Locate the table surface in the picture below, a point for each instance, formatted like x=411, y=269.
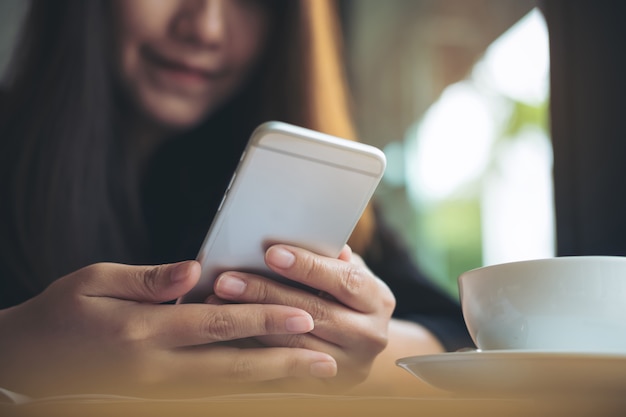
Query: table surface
x=303, y=405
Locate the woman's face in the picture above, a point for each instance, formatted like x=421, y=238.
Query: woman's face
x=181, y=59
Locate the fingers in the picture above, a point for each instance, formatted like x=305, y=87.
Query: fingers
x=183, y=325
x=107, y=320
x=345, y=254
x=153, y=284
x=354, y=317
x=216, y=369
x=253, y=365
x=349, y=282
x=334, y=322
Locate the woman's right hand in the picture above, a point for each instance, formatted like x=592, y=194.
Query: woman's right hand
x=104, y=329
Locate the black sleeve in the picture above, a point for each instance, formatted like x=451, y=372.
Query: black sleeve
x=417, y=298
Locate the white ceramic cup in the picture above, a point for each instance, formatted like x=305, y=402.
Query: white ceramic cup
x=566, y=304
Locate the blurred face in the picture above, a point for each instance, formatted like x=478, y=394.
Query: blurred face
x=181, y=59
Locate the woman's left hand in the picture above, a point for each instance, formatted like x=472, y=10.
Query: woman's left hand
x=351, y=310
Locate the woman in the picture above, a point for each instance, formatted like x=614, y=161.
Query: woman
x=120, y=127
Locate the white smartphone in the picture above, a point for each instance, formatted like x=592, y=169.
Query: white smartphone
x=294, y=186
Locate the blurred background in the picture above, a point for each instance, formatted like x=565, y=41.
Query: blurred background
x=456, y=94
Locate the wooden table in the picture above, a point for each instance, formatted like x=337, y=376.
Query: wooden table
x=303, y=405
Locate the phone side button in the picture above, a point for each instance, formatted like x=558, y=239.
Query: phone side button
x=221, y=203
x=231, y=181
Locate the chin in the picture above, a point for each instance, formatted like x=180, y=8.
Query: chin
x=178, y=118
x=179, y=123
x=177, y=111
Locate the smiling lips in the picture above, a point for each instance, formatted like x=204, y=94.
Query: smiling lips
x=181, y=71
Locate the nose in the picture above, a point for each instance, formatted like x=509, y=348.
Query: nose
x=202, y=22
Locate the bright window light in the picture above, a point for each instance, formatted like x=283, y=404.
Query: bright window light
x=463, y=147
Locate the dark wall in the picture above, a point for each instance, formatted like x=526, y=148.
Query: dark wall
x=588, y=89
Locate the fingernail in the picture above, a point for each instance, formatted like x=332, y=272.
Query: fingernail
x=214, y=300
x=180, y=272
x=281, y=257
x=325, y=369
x=299, y=324
x=230, y=285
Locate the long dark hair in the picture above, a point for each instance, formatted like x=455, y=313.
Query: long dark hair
x=57, y=154
x=69, y=190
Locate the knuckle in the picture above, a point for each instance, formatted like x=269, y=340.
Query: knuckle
x=356, y=372
x=88, y=275
x=218, y=326
x=378, y=341
x=374, y=339
x=387, y=299
x=94, y=269
x=292, y=365
x=314, y=269
x=316, y=308
x=242, y=369
x=389, y=302
x=262, y=293
x=361, y=374
x=77, y=287
x=294, y=341
x=269, y=323
x=133, y=332
x=149, y=278
x=378, y=338
x=352, y=279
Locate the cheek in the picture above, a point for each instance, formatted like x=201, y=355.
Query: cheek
x=138, y=22
x=249, y=37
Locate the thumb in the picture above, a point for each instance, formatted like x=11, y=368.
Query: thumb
x=153, y=284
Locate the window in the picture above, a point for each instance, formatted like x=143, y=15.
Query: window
x=469, y=181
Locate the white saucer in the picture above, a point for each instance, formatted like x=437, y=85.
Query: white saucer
x=521, y=373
